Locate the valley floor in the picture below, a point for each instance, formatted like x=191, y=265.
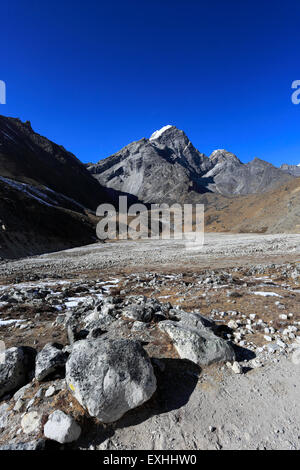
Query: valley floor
x=248, y=284
x=219, y=250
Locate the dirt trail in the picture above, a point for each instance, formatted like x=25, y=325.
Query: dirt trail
x=257, y=410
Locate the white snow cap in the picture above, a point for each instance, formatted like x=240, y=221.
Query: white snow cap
x=298, y=164
x=158, y=133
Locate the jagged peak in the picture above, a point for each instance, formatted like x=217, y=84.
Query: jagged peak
x=159, y=132
x=223, y=155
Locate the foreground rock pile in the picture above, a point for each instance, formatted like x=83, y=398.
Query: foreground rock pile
x=104, y=367
x=84, y=354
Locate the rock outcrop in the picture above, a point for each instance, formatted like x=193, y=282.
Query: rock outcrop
x=168, y=168
x=110, y=377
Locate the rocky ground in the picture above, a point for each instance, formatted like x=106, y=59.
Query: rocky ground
x=182, y=355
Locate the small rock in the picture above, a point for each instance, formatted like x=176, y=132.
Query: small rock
x=50, y=359
x=237, y=368
x=31, y=422
x=61, y=428
x=19, y=404
x=50, y=391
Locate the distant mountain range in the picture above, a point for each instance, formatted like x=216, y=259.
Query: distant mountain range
x=168, y=168
x=293, y=170
x=48, y=197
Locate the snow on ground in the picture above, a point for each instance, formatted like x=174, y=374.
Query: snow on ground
x=267, y=294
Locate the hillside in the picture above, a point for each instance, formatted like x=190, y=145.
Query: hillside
x=168, y=168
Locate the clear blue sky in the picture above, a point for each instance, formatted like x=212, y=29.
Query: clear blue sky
x=94, y=75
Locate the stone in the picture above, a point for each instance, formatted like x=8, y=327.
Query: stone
x=21, y=392
x=61, y=428
x=50, y=359
x=19, y=404
x=137, y=313
x=110, y=377
x=50, y=391
x=237, y=368
x=283, y=316
x=200, y=346
x=139, y=326
x=233, y=324
x=15, y=369
x=31, y=422
x=4, y=414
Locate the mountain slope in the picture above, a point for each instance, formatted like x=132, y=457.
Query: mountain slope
x=32, y=221
x=278, y=211
x=30, y=158
x=168, y=168
x=46, y=194
x=293, y=170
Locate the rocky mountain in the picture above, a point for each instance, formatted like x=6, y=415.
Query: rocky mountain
x=46, y=194
x=30, y=158
x=293, y=170
x=167, y=167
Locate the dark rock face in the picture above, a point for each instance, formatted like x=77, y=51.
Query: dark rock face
x=30, y=158
x=46, y=194
x=168, y=168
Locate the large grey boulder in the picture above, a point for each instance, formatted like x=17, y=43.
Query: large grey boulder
x=14, y=369
x=50, y=359
x=200, y=346
x=62, y=428
x=192, y=320
x=138, y=313
x=110, y=377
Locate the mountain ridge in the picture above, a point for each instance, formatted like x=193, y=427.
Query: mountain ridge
x=148, y=168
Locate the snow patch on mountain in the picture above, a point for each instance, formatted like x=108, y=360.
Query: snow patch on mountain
x=158, y=133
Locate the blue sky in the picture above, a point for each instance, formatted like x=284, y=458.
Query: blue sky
x=94, y=76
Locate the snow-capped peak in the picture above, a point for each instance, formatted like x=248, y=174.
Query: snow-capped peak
x=158, y=133
x=298, y=164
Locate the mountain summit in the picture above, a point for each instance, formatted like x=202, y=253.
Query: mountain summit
x=168, y=168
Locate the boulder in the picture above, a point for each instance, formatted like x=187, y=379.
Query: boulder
x=138, y=313
x=50, y=359
x=200, y=346
x=61, y=428
x=15, y=368
x=109, y=377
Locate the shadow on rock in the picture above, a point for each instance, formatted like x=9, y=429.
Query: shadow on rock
x=176, y=381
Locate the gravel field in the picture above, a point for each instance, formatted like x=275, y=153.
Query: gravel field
x=218, y=250
x=247, y=286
